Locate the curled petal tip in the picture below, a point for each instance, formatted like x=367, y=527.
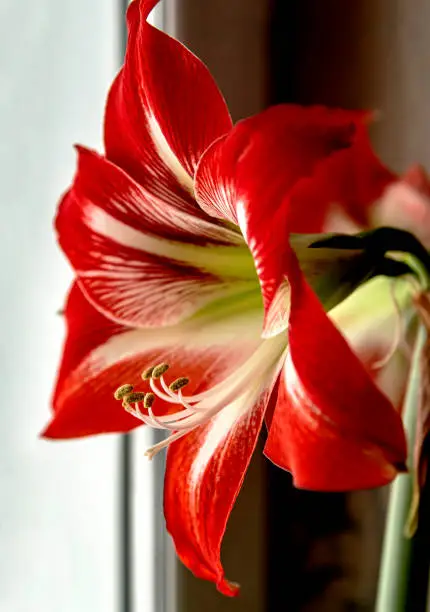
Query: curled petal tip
x=231, y=589
x=48, y=432
x=43, y=435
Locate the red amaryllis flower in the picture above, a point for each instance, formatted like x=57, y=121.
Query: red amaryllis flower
x=181, y=240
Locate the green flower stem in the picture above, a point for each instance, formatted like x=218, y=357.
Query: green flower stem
x=396, y=562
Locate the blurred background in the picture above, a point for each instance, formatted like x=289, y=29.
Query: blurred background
x=81, y=526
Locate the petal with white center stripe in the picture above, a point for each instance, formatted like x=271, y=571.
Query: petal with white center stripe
x=100, y=355
x=157, y=128
x=138, y=262
x=204, y=473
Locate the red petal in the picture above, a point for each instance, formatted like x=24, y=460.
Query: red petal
x=322, y=457
x=83, y=398
x=204, y=474
x=119, y=239
x=105, y=184
x=100, y=355
x=277, y=172
x=348, y=182
x=332, y=428
x=184, y=108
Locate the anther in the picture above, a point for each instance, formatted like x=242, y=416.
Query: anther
x=159, y=370
x=146, y=374
x=149, y=400
x=122, y=391
x=136, y=396
x=179, y=383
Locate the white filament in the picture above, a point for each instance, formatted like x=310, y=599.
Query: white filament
x=197, y=409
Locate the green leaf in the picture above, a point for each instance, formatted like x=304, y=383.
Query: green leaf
x=377, y=243
x=336, y=265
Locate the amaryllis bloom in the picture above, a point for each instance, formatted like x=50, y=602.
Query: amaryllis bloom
x=195, y=247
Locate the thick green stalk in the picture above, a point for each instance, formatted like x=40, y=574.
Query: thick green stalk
x=394, y=575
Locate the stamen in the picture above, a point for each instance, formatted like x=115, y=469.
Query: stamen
x=171, y=398
x=122, y=391
x=146, y=374
x=192, y=403
x=192, y=424
x=168, y=390
x=159, y=370
x=153, y=450
x=133, y=398
x=184, y=402
x=148, y=420
x=149, y=400
x=179, y=383
x=196, y=409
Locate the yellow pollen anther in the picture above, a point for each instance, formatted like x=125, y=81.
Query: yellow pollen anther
x=149, y=400
x=146, y=374
x=179, y=383
x=159, y=370
x=122, y=391
x=136, y=396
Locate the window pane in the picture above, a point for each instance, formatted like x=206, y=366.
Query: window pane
x=58, y=531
